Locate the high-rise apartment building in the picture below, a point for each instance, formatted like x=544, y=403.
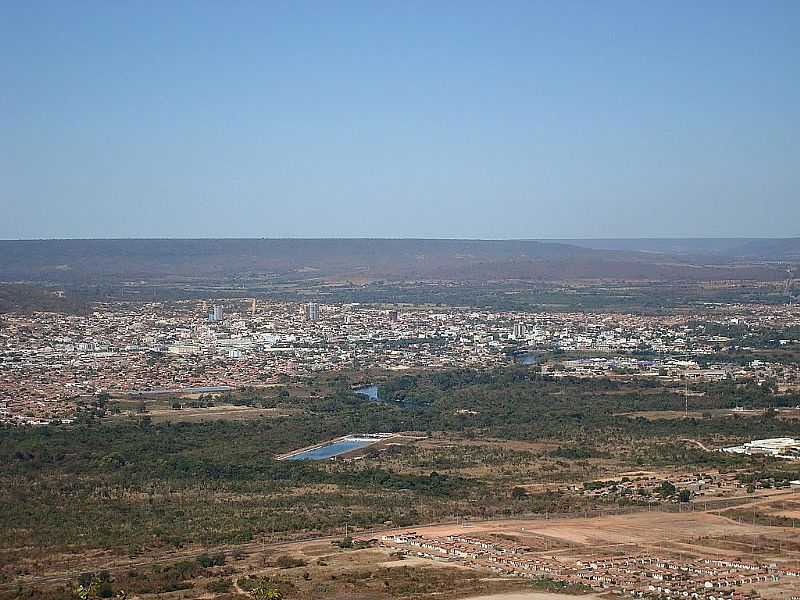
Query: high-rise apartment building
x=216, y=314
x=312, y=311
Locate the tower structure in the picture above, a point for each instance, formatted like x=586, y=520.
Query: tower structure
x=312, y=311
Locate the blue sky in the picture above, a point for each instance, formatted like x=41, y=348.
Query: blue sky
x=399, y=119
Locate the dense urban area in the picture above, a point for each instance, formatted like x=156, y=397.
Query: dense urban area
x=50, y=361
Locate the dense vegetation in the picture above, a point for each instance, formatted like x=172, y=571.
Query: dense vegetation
x=132, y=484
x=26, y=298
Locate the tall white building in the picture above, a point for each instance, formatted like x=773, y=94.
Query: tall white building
x=216, y=314
x=312, y=311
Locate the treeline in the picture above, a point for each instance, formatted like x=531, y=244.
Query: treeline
x=131, y=454
x=743, y=335
x=128, y=486
x=518, y=402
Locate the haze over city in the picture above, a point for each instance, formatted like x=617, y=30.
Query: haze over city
x=416, y=119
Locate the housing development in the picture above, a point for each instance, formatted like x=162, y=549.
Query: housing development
x=642, y=575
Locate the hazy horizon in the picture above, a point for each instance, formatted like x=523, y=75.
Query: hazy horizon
x=416, y=121
x=410, y=238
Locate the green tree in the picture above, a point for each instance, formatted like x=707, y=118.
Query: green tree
x=96, y=587
x=518, y=493
x=264, y=590
x=666, y=489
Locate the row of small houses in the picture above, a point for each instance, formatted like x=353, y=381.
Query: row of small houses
x=501, y=548
x=704, y=567
x=627, y=564
x=732, y=564
x=447, y=548
x=689, y=588
x=538, y=566
x=686, y=580
x=630, y=580
x=707, y=567
x=454, y=541
x=654, y=591
x=712, y=588
x=635, y=575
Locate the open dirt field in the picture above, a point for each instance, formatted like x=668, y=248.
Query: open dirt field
x=645, y=527
x=217, y=413
x=787, y=508
x=697, y=534
x=789, y=514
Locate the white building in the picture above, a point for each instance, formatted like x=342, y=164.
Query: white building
x=312, y=311
x=783, y=447
x=216, y=314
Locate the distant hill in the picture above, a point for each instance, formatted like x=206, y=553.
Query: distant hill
x=767, y=249
x=95, y=261
x=786, y=249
